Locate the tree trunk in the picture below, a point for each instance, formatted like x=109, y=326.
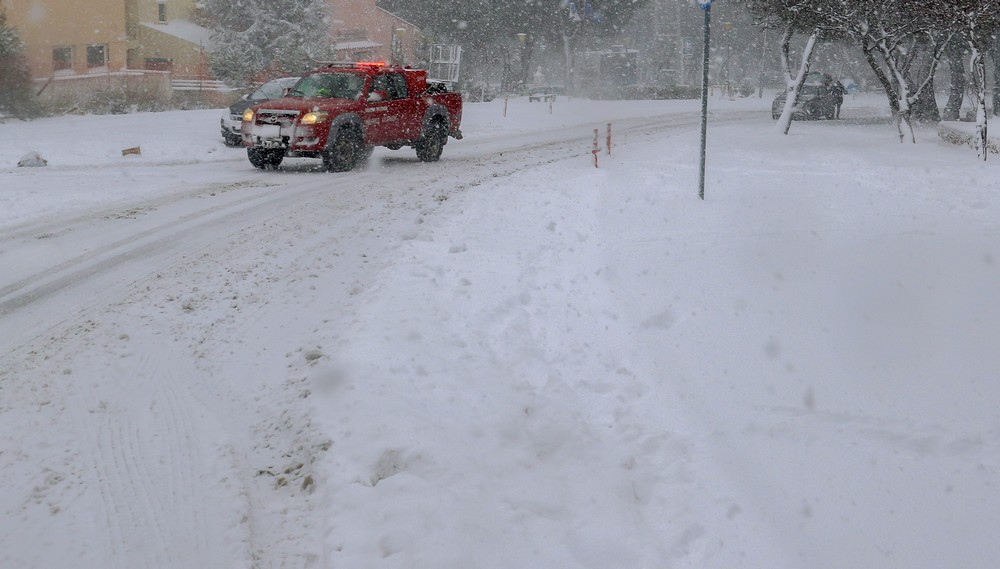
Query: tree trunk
x=568, y=78
x=793, y=85
x=902, y=96
x=903, y=115
x=925, y=107
x=527, y=50
x=895, y=90
x=978, y=65
x=505, y=78
x=890, y=90
x=996, y=75
x=956, y=91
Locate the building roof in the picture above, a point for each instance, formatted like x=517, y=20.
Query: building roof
x=398, y=18
x=363, y=44
x=185, y=30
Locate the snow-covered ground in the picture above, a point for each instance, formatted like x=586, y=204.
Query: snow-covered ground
x=509, y=358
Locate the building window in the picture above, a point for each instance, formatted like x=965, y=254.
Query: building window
x=161, y=12
x=96, y=56
x=62, y=58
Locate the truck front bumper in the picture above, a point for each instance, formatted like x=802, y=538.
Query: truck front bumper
x=290, y=138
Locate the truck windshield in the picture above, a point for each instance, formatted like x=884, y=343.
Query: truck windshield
x=329, y=86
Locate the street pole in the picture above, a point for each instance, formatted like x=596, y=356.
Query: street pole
x=763, y=55
x=706, y=6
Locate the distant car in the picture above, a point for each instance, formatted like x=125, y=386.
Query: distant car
x=540, y=94
x=232, y=119
x=818, y=98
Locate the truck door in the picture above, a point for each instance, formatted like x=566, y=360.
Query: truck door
x=408, y=116
x=393, y=117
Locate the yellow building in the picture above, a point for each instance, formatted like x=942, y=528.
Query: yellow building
x=156, y=47
x=62, y=37
x=165, y=36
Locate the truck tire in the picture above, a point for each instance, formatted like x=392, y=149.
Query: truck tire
x=343, y=151
x=430, y=146
x=263, y=158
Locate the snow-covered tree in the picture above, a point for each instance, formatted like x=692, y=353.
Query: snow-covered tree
x=268, y=37
x=494, y=27
x=979, y=21
x=902, y=41
x=15, y=76
x=893, y=34
x=806, y=17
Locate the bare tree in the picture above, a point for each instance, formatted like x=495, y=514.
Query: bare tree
x=497, y=29
x=15, y=76
x=893, y=34
x=903, y=42
x=794, y=17
x=978, y=23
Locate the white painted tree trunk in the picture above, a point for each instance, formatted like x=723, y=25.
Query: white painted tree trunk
x=978, y=65
x=906, y=98
x=793, y=84
x=902, y=118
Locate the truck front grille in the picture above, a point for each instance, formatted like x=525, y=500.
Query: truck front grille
x=280, y=118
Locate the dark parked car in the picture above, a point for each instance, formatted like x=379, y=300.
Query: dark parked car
x=818, y=98
x=231, y=119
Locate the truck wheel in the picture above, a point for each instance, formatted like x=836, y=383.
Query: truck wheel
x=429, y=149
x=263, y=159
x=342, y=152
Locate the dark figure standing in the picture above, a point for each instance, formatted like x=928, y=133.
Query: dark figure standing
x=838, y=97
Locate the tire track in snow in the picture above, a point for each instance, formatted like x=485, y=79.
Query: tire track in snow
x=153, y=455
x=141, y=244
x=61, y=224
x=149, y=242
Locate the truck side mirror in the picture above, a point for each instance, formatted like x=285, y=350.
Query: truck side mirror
x=376, y=96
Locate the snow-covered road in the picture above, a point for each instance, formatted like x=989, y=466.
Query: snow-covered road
x=185, y=208
x=507, y=358
x=126, y=306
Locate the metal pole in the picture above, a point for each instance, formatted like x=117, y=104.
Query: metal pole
x=763, y=55
x=704, y=98
x=595, y=148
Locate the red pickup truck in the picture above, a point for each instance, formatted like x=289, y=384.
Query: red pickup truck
x=341, y=111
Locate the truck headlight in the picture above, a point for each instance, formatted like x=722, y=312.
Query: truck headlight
x=313, y=117
x=248, y=115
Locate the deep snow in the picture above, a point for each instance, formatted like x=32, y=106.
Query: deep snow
x=506, y=359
